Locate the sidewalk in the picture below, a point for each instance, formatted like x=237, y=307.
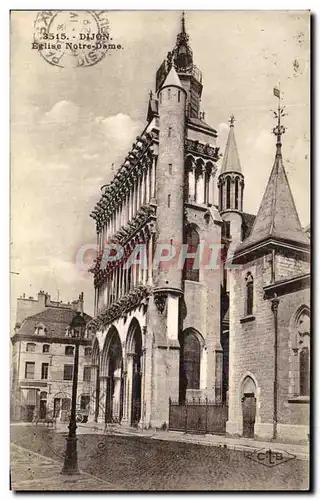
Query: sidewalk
x=33, y=472
x=233, y=443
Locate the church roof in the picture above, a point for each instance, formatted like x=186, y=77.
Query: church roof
x=231, y=160
x=172, y=79
x=277, y=216
x=201, y=123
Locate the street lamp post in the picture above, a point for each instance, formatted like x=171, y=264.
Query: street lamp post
x=77, y=329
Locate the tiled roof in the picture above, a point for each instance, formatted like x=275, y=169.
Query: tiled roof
x=247, y=224
x=54, y=319
x=201, y=123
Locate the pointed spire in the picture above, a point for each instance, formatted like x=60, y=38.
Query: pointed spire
x=183, y=27
x=172, y=79
x=277, y=216
x=231, y=160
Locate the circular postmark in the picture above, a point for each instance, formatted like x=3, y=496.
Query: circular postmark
x=72, y=38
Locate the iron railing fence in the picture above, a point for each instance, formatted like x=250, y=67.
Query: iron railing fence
x=198, y=416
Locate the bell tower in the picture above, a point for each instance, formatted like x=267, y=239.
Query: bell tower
x=231, y=187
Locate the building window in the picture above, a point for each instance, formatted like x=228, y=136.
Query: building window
x=169, y=93
x=31, y=347
x=226, y=233
x=228, y=192
x=87, y=351
x=169, y=131
x=304, y=371
x=30, y=369
x=169, y=199
x=170, y=168
x=84, y=402
x=299, y=358
x=179, y=95
x=191, y=360
x=46, y=348
x=249, y=294
x=192, y=241
x=87, y=373
x=67, y=372
x=69, y=350
x=236, y=194
x=66, y=404
x=44, y=371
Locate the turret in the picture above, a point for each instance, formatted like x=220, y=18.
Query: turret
x=170, y=173
x=231, y=186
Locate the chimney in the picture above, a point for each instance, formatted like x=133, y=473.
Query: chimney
x=42, y=299
x=81, y=303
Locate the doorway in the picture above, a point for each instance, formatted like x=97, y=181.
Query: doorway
x=248, y=414
x=248, y=402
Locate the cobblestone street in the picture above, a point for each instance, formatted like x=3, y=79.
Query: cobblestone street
x=138, y=463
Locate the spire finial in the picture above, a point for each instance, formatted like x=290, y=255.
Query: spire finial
x=232, y=120
x=183, y=27
x=279, y=129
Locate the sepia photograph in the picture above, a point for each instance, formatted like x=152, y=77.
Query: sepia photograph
x=160, y=240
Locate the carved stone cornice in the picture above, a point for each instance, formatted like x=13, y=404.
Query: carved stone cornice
x=203, y=150
x=138, y=297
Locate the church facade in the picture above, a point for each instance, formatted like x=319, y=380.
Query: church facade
x=167, y=305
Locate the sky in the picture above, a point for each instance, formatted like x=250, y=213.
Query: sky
x=69, y=125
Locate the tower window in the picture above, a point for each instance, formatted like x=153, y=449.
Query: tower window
x=169, y=199
x=169, y=131
x=169, y=93
x=249, y=294
x=236, y=194
x=192, y=240
x=170, y=168
x=228, y=192
x=179, y=95
x=226, y=229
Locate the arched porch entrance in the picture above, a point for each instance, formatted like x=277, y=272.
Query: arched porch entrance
x=134, y=350
x=114, y=387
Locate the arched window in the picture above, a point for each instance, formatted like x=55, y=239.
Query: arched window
x=236, y=193
x=191, y=266
x=220, y=196
x=304, y=372
x=191, y=360
x=228, y=192
x=249, y=294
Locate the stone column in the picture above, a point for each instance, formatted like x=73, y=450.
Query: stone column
x=102, y=400
x=191, y=184
x=129, y=382
x=142, y=423
x=200, y=187
x=211, y=189
x=153, y=188
x=148, y=185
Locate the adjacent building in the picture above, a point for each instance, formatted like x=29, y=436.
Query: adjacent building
x=43, y=357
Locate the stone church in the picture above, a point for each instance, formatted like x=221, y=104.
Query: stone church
x=175, y=316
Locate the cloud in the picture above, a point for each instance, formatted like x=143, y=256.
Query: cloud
x=63, y=112
x=120, y=130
